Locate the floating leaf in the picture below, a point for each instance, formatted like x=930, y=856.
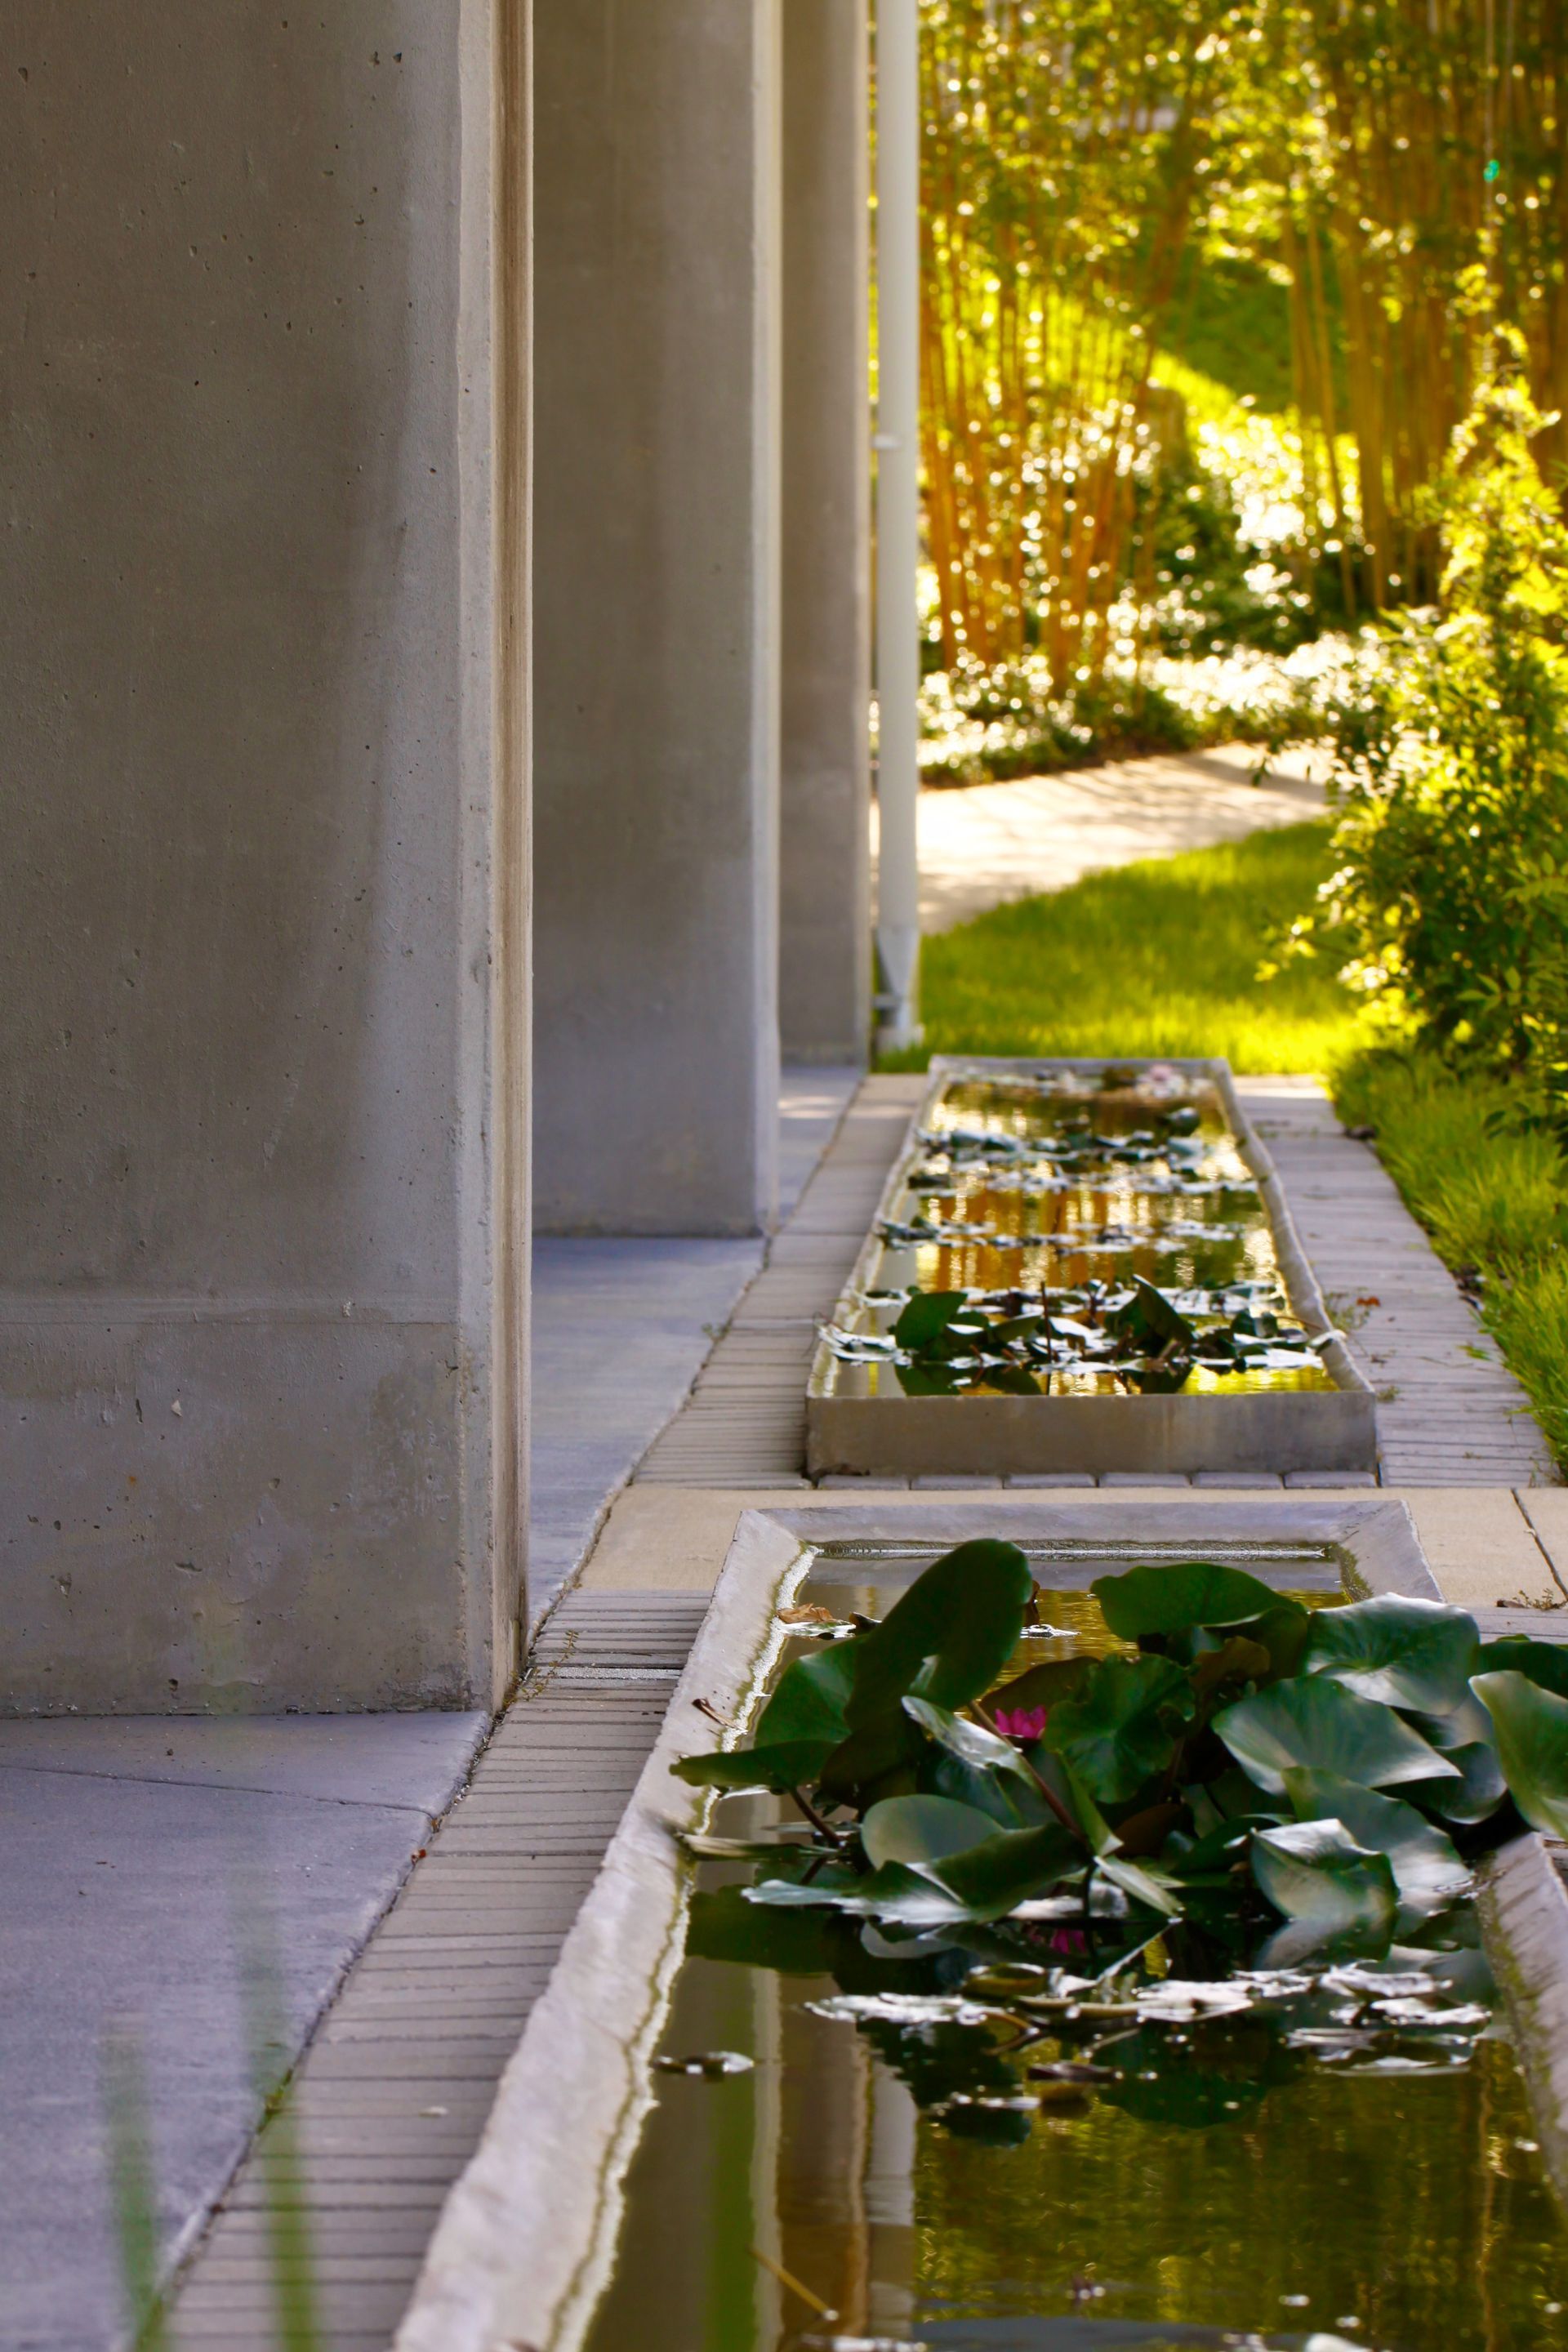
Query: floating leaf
x=1316, y=1874
x=1042, y=1685
x=927, y=1316
x=1545, y=1663
x=1427, y=1870
x=810, y=1698
x=1149, y=1600
x=919, y=1829
x=963, y=1615
x=1145, y=1887
x=1116, y=1734
x=788, y=1764
x=1317, y=1723
x=1401, y=1651
x=1149, y=1321
x=1531, y=1729
x=993, y=1878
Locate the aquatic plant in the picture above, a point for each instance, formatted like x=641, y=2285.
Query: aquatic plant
x=1282, y=1781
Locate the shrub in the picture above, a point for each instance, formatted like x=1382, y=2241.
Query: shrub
x=1451, y=847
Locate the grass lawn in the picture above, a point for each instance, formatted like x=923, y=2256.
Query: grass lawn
x=1157, y=957
x=1163, y=957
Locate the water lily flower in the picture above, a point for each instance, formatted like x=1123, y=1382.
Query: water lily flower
x=1024, y=1724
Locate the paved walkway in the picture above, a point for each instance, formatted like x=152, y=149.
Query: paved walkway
x=982, y=845
x=146, y=1861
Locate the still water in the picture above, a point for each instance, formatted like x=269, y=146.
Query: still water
x=1058, y=1191
x=885, y=2169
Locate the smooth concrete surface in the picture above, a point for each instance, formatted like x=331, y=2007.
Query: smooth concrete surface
x=1478, y=1543
x=984, y=845
x=620, y=1330
x=192, y=1904
x=258, y=1223
x=656, y=839
x=825, y=865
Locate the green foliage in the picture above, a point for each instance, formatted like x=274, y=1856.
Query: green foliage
x=1233, y=1770
x=1451, y=887
x=1155, y=958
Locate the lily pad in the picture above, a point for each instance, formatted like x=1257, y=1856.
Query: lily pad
x=1317, y=1723
x=919, y=1829
x=1316, y=1874
x=962, y=1619
x=1118, y=1730
x=1545, y=1663
x=1152, y=1601
x=1532, y=1728
x=991, y=1879
x=1405, y=1653
x=1427, y=1870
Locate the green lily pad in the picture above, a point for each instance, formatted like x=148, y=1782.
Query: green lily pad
x=1545, y=1663
x=1042, y=1685
x=1317, y=1723
x=1316, y=1874
x=1149, y=1321
x=919, y=1829
x=993, y=1878
x=960, y=1621
x=1427, y=1871
x=1116, y=1734
x=1404, y=1652
x=1531, y=1725
x=1150, y=1601
x=927, y=1316
x=785, y=1765
x=810, y=1698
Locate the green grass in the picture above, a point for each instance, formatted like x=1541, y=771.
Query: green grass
x=1163, y=957
x=1157, y=957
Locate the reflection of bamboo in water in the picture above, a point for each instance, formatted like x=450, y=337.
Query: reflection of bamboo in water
x=817, y=2163
x=766, y=2125
x=891, y=2142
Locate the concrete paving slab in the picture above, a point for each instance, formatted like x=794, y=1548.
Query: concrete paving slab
x=139, y=1901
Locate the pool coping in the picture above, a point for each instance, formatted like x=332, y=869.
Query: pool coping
x=1523, y=1902
x=527, y=2237
x=886, y=1436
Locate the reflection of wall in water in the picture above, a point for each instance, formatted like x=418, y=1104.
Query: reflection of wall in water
x=889, y=2201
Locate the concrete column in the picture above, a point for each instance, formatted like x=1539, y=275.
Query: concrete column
x=825, y=948
x=263, y=970
x=657, y=620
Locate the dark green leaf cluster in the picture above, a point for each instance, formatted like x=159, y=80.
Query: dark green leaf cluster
x=1322, y=1779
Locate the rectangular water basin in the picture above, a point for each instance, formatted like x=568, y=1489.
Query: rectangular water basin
x=1122, y=1287
x=692, y=2150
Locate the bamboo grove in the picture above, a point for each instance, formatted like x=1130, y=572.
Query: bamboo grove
x=1396, y=166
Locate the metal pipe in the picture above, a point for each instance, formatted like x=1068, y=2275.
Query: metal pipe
x=897, y=443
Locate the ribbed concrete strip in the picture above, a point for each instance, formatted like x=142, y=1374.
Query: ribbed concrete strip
x=388, y=2104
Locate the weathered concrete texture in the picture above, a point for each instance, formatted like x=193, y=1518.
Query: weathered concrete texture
x=657, y=656
x=150, y=1867
x=1524, y=1905
x=254, y=995
x=825, y=869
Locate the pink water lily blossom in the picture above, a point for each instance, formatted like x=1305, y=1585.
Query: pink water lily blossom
x=1024, y=1724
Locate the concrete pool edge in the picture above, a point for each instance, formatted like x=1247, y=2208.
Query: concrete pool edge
x=526, y=2237
x=890, y=1436
x=1523, y=1904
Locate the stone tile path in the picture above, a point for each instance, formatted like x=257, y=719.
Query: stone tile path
x=140, y=1860
x=1450, y=1413
x=391, y=2099
x=982, y=845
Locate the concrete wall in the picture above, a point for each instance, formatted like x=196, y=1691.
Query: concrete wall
x=260, y=991
x=825, y=974
x=655, y=639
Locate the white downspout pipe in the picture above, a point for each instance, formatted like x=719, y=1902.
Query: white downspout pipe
x=897, y=442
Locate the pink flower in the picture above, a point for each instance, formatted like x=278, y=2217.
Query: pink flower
x=1023, y=1723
